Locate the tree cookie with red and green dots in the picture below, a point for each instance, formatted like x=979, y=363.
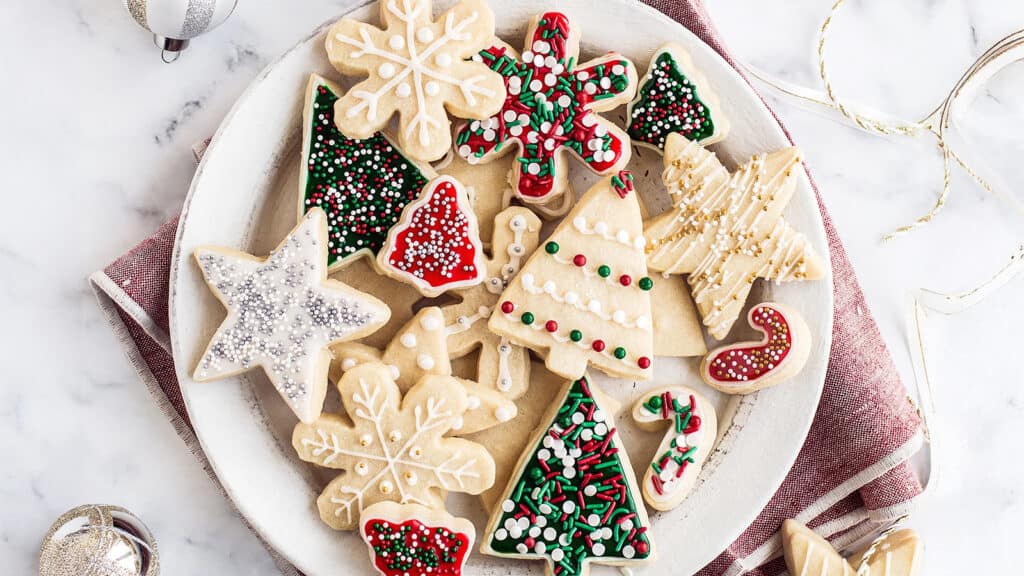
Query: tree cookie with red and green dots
x=781, y=353
x=573, y=499
x=584, y=297
x=674, y=97
x=362, y=185
x=550, y=109
x=436, y=246
x=413, y=540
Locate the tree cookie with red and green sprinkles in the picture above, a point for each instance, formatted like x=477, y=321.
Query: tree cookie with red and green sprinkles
x=573, y=499
x=362, y=185
x=551, y=108
x=674, y=97
x=414, y=540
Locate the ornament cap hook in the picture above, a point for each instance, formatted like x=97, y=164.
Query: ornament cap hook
x=170, y=48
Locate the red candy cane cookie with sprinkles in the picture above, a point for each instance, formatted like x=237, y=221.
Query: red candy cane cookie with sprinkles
x=550, y=109
x=692, y=427
x=413, y=540
x=748, y=366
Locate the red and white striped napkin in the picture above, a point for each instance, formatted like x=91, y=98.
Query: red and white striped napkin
x=852, y=476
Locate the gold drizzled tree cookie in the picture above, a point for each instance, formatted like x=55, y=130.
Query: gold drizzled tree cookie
x=502, y=365
x=283, y=314
x=897, y=554
x=420, y=348
x=726, y=230
x=390, y=448
x=416, y=67
x=584, y=298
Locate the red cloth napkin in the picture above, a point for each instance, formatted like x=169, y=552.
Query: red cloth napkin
x=850, y=479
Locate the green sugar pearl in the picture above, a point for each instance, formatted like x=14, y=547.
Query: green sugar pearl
x=527, y=318
x=575, y=335
x=645, y=283
x=620, y=352
x=604, y=271
x=551, y=247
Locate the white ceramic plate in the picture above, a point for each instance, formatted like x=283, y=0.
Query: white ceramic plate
x=243, y=196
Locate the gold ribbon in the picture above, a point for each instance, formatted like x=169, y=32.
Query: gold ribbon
x=1004, y=52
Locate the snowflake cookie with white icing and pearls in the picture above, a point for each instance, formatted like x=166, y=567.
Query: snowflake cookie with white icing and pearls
x=420, y=348
x=283, y=314
x=390, y=448
x=691, y=430
x=417, y=67
x=551, y=108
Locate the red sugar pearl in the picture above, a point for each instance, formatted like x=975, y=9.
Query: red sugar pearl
x=641, y=548
x=598, y=345
x=551, y=326
x=644, y=362
x=625, y=280
x=507, y=307
x=579, y=260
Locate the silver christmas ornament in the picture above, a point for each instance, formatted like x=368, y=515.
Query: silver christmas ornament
x=97, y=540
x=175, y=22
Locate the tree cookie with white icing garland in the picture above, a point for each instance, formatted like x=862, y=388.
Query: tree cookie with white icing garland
x=392, y=448
x=674, y=98
x=420, y=348
x=781, y=353
x=413, y=540
x=436, y=244
x=283, y=314
x=573, y=500
x=551, y=109
x=362, y=185
x=416, y=67
x=726, y=230
x=583, y=298
x=692, y=427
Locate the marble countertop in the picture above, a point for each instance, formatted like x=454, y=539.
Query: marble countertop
x=96, y=148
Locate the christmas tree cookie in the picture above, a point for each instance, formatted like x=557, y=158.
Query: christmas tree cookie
x=551, y=109
x=283, y=314
x=691, y=426
x=420, y=348
x=726, y=230
x=674, y=98
x=362, y=185
x=584, y=298
x=392, y=448
x=573, y=500
x=436, y=244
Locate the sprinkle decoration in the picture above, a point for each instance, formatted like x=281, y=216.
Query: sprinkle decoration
x=436, y=244
x=671, y=464
x=548, y=108
x=411, y=548
x=362, y=185
x=751, y=363
x=668, y=103
x=573, y=500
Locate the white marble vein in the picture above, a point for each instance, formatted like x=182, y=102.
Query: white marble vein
x=96, y=137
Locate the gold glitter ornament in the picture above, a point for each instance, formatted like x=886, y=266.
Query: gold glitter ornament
x=98, y=540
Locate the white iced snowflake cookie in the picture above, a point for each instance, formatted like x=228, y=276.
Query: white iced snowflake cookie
x=417, y=67
x=283, y=314
x=394, y=449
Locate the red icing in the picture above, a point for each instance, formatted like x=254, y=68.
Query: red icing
x=745, y=363
x=571, y=94
x=412, y=548
x=436, y=245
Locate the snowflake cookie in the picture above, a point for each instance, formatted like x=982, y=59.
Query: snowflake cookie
x=417, y=67
x=390, y=448
x=551, y=108
x=283, y=314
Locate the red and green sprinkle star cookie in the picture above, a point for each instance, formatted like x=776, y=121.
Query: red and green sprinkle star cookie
x=674, y=98
x=573, y=500
x=550, y=108
x=362, y=185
